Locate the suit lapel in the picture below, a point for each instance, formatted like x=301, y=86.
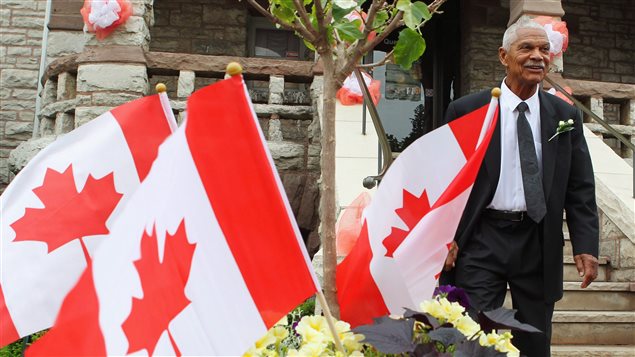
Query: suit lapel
x=548, y=126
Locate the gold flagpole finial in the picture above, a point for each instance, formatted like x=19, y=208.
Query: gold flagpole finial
x=234, y=68
x=496, y=92
x=161, y=88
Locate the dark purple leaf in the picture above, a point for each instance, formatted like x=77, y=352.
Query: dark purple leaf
x=389, y=335
x=422, y=317
x=474, y=349
x=447, y=336
x=502, y=318
x=425, y=350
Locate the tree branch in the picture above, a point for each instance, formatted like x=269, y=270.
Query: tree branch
x=304, y=17
x=289, y=26
x=386, y=59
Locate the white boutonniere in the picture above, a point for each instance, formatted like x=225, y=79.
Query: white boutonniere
x=563, y=127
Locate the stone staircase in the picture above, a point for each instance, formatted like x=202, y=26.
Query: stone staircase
x=596, y=321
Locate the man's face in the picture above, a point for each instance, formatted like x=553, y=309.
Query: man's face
x=527, y=60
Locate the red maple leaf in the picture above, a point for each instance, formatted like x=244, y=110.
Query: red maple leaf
x=163, y=284
x=68, y=214
x=414, y=208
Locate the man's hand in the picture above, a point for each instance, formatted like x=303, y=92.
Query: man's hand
x=587, y=267
x=451, y=258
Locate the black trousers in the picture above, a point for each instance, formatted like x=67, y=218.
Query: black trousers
x=503, y=252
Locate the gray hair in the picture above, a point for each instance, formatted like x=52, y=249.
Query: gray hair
x=511, y=34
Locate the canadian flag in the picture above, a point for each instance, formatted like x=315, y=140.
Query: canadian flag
x=412, y=219
x=62, y=205
x=206, y=255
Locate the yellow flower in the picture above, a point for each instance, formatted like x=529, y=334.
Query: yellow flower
x=279, y=333
x=317, y=323
x=432, y=307
x=310, y=335
x=351, y=341
x=467, y=326
x=452, y=310
x=489, y=339
x=504, y=344
x=312, y=350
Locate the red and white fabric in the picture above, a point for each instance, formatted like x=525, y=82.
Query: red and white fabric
x=412, y=219
x=351, y=92
x=213, y=215
x=62, y=205
x=103, y=16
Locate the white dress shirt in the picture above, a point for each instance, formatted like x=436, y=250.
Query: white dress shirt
x=509, y=195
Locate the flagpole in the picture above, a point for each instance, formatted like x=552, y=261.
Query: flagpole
x=330, y=321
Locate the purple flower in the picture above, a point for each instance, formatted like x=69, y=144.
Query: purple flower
x=453, y=294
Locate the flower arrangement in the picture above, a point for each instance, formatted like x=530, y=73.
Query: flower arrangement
x=563, y=127
x=309, y=336
x=442, y=328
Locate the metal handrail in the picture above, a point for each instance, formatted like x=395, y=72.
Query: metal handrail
x=370, y=181
x=601, y=121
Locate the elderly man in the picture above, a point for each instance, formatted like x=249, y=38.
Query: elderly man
x=511, y=230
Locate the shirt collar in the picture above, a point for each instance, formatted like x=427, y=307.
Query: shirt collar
x=509, y=100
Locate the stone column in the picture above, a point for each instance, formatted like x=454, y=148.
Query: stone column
x=113, y=71
x=533, y=8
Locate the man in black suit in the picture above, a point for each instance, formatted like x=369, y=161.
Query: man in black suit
x=511, y=230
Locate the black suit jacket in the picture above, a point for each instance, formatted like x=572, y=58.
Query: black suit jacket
x=568, y=182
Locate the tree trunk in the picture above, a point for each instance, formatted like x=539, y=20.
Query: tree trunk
x=327, y=199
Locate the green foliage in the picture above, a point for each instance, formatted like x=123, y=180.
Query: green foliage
x=16, y=348
x=414, y=13
x=349, y=30
x=410, y=46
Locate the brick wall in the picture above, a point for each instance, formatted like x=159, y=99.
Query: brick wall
x=602, y=40
x=213, y=27
x=21, y=23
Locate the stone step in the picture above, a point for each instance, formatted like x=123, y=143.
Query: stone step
x=599, y=296
x=592, y=351
x=571, y=272
x=593, y=328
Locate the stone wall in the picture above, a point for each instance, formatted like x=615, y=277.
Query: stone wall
x=21, y=23
x=483, y=24
x=601, y=41
x=213, y=27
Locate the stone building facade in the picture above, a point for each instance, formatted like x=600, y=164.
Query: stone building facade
x=185, y=44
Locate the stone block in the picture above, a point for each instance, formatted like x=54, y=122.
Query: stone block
x=293, y=186
x=66, y=86
x=18, y=78
x=12, y=39
x=112, y=99
x=85, y=114
x=186, y=84
x=307, y=216
x=49, y=93
x=6, y=115
x=24, y=94
x=64, y=122
x=19, y=51
x=313, y=161
x=276, y=89
x=21, y=155
x=5, y=93
x=27, y=115
x=274, y=132
x=627, y=254
x=287, y=155
x=112, y=77
x=4, y=171
x=5, y=17
x=61, y=43
x=620, y=55
x=32, y=63
x=294, y=130
x=20, y=4
x=18, y=105
x=47, y=126
x=18, y=130
x=27, y=21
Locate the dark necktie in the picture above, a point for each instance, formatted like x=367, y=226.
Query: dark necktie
x=532, y=182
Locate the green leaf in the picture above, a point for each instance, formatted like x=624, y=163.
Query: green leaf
x=345, y=4
x=339, y=13
x=309, y=45
x=380, y=18
x=349, y=31
x=413, y=13
x=284, y=13
x=409, y=47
